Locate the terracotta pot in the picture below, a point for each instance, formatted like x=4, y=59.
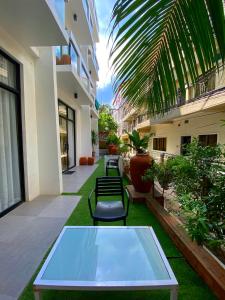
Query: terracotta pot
x=91, y=161
x=112, y=149
x=65, y=59
x=138, y=165
x=58, y=61
x=83, y=161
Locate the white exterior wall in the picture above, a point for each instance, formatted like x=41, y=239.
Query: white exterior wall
x=28, y=105
x=198, y=124
x=50, y=170
x=86, y=147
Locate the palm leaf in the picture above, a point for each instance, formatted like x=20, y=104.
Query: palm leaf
x=162, y=46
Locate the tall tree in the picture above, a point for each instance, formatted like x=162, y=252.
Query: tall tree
x=161, y=46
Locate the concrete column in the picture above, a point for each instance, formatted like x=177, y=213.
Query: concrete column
x=50, y=172
x=85, y=126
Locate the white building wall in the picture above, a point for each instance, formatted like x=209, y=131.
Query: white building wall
x=28, y=103
x=193, y=125
x=50, y=170
x=86, y=147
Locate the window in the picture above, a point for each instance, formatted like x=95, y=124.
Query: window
x=11, y=153
x=208, y=140
x=159, y=144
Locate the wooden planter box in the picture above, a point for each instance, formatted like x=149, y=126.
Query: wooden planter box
x=199, y=258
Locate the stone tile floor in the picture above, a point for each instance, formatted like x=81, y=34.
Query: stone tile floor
x=26, y=233
x=73, y=182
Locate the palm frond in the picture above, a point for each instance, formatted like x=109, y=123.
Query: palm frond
x=162, y=46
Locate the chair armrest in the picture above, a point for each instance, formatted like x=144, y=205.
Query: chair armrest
x=128, y=201
x=89, y=202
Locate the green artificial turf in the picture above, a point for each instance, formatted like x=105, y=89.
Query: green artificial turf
x=191, y=287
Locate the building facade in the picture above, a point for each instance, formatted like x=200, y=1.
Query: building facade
x=197, y=114
x=48, y=75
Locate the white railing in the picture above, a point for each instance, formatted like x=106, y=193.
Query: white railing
x=71, y=55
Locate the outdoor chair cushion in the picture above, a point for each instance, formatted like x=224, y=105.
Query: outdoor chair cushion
x=110, y=210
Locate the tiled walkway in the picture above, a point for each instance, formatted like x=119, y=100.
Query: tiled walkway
x=26, y=233
x=72, y=183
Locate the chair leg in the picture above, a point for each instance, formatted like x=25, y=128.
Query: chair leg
x=118, y=172
x=107, y=172
x=124, y=222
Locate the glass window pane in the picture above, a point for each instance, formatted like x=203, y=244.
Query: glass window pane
x=65, y=50
x=74, y=57
x=10, y=187
x=63, y=142
x=71, y=145
x=70, y=114
x=62, y=110
x=7, y=72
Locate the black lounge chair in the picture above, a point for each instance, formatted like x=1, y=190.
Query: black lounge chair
x=108, y=210
x=113, y=164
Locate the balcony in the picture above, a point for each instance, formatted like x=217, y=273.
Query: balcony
x=35, y=23
x=129, y=113
x=143, y=122
x=93, y=63
x=95, y=21
x=207, y=94
x=72, y=74
x=78, y=15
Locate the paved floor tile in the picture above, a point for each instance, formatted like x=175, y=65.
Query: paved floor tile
x=25, y=235
x=72, y=183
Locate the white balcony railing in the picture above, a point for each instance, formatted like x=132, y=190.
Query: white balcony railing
x=71, y=55
x=59, y=6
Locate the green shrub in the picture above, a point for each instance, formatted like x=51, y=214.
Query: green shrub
x=199, y=180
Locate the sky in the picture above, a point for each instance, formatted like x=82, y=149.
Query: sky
x=105, y=92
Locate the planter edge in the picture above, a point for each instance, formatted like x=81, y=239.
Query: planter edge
x=203, y=263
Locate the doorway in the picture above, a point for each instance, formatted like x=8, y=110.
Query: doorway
x=11, y=153
x=67, y=136
x=185, y=140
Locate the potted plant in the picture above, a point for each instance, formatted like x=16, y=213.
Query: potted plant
x=94, y=137
x=140, y=162
x=162, y=172
x=113, y=141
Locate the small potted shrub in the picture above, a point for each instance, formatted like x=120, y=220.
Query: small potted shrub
x=113, y=141
x=140, y=162
x=162, y=172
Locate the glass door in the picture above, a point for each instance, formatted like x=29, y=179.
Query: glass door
x=67, y=136
x=11, y=161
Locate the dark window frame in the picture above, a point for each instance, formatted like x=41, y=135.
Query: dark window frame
x=67, y=119
x=159, y=144
x=207, y=139
x=17, y=92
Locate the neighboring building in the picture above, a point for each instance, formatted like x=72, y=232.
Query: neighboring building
x=48, y=74
x=197, y=114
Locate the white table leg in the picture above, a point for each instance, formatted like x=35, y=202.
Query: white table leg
x=173, y=293
x=37, y=294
